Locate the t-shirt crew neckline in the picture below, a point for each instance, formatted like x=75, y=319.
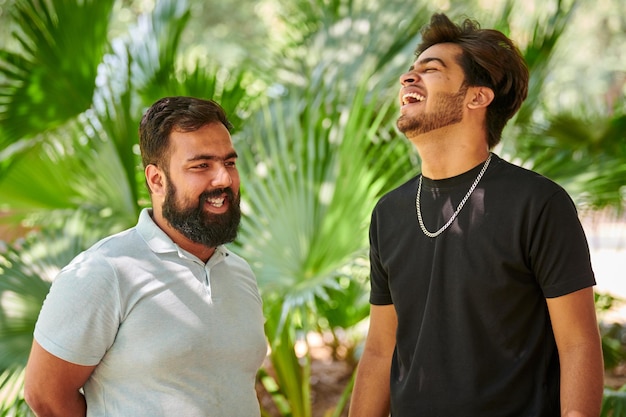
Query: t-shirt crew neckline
x=467, y=177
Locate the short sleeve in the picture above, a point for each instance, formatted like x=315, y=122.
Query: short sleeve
x=559, y=250
x=380, y=293
x=80, y=316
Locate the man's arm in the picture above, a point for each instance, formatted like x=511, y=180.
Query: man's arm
x=51, y=386
x=371, y=396
x=577, y=337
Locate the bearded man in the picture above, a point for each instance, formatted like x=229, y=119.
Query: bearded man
x=161, y=319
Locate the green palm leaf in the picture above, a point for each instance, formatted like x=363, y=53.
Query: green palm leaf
x=343, y=39
x=583, y=152
x=26, y=271
x=40, y=73
x=78, y=169
x=614, y=403
x=11, y=399
x=312, y=167
x=312, y=176
x=539, y=54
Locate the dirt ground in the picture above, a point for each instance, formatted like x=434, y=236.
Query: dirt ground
x=328, y=381
x=615, y=378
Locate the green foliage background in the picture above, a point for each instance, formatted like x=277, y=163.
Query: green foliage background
x=311, y=88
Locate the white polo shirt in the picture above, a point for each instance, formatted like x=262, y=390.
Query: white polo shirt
x=170, y=335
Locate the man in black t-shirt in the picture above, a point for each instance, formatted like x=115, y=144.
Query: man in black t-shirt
x=482, y=287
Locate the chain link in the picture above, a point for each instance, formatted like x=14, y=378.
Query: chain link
x=458, y=209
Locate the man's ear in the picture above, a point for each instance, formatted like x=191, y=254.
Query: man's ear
x=481, y=97
x=155, y=179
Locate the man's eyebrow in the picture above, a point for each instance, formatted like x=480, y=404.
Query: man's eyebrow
x=209, y=157
x=427, y=60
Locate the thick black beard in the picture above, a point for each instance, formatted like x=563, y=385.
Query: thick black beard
x=450, y=112
x=210, y=230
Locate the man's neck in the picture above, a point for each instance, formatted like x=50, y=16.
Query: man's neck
x=446, y=153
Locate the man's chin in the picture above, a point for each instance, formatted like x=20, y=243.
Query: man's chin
x=405, y=125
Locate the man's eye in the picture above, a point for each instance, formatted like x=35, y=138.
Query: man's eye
x=230, y=163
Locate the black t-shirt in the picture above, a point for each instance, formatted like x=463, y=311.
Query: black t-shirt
x=474, y=335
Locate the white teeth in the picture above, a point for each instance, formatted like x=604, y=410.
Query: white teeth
x=216, y=202
x=414, y=96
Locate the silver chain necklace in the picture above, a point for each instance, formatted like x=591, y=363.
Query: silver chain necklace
x=458, y=209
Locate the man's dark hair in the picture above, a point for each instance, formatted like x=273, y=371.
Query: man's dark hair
x=489, y=59
x=183, y=114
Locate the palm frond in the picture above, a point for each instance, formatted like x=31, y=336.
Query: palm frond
x=583, y=152
x=232, y=88
x=40, y=73
x=343, y=39
x=539, y=53
x=311, y=177
x=11, y=398
x=614, y=403
x=154, y=44
x=26, y=270
x=78, y=169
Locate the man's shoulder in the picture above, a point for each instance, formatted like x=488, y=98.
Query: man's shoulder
x=124, y=243
x=117, y=243
x=402, y=192
x=517, y=177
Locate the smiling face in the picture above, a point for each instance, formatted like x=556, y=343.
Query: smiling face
x=201, y=196
x=433, y=91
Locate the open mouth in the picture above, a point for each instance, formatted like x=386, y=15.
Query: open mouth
x=410, y=98
x=216, y=201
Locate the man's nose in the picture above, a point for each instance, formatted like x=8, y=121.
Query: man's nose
x=408, y=78
x=222, y=177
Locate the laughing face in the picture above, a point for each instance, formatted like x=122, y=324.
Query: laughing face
x=433, y=91
x=202, y=197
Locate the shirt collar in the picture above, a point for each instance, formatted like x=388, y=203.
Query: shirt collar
x=160, y=242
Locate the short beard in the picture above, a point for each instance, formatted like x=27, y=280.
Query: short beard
x=450, y=112
x=207, y=229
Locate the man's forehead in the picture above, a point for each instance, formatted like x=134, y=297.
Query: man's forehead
x=444, y=53
x=208, y=142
